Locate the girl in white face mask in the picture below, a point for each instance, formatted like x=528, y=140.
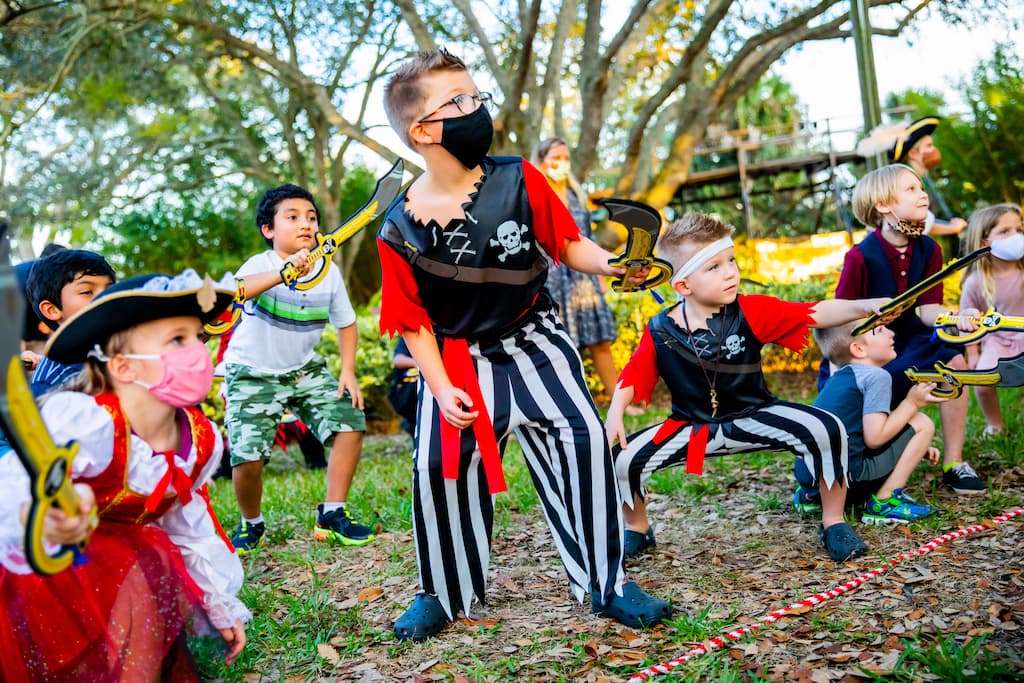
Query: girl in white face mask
x=995, y=281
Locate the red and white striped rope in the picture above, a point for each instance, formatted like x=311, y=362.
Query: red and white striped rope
x=816, y=599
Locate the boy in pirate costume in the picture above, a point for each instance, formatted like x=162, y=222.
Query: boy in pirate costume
x=707, y=348
x=462, y=251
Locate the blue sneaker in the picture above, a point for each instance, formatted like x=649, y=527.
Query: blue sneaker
x=806, y=502
x=899, y=509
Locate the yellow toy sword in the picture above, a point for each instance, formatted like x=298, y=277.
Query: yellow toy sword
x=48, y=465
x=383, y=194
x=644, y=224
x=989, y=321
x=958, y=379
x=908, y=299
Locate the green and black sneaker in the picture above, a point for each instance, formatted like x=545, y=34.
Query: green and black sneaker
x=338, y=526
x=248, y=537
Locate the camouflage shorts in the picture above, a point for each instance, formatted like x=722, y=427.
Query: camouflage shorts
x=256, y=401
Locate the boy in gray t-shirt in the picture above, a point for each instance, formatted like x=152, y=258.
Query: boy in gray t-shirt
x=884, y=446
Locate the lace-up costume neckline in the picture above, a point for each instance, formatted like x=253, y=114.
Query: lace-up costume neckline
x=713, y=379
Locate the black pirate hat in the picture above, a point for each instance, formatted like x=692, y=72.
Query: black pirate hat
x=896, y=140
x=133, y=301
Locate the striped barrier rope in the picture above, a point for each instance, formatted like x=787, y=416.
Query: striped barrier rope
x=816, y=599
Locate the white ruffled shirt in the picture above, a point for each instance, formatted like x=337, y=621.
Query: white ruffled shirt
x=69, y=416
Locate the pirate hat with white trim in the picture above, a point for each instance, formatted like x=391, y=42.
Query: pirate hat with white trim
x=134, y=301
x=896, y=140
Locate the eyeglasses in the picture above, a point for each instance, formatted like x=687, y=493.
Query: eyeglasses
x=466, y=104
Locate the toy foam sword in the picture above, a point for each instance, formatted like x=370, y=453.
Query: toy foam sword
x=905, y=301
x=385, y=193
x=989, y=321
x=47, y=464
x=643, y=224
x=1008, y=372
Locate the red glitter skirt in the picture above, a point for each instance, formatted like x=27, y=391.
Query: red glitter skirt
x=122, y=615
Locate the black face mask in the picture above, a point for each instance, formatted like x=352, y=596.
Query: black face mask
x=467, y=138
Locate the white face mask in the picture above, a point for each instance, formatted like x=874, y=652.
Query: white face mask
x=1009, y=248
x=557, y=171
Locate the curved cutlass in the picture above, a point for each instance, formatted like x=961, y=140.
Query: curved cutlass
x=383, y=194
x=902, y=302
x=643, y=224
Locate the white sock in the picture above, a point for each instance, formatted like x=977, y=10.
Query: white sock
x=258, y=519
x=330, y=507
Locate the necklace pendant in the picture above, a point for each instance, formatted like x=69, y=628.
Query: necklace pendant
x=714, y=402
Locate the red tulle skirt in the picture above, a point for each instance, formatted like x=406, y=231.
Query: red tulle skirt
x=120, y=616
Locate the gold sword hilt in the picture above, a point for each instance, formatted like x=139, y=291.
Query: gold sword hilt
x=325, y=248
x=638, y=257
x=215, y=328
x=989, y=321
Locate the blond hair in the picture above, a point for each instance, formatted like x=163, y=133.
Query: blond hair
x=682, y=238
x=404, y=94
x=978, y=228
x=877, y=187
x=94, y=378
x=834, y=342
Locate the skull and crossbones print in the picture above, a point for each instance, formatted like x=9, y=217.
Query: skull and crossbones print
x=510, y=239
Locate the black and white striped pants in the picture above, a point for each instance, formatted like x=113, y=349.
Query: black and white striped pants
x=533, y=384
x=817, y=436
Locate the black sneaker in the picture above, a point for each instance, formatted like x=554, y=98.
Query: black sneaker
x=635, y=543
x=634, y=607
x=337, y=525
x=841, y=542
x=962, y=478
x=248, y=537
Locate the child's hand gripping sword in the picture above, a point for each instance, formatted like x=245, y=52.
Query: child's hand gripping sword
x=1008, y=372
x=989, y=321
x=902, y=302
x=644, y=224
x=385, y=193
x=48, y=465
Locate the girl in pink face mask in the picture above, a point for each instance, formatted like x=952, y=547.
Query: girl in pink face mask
x=158, y=556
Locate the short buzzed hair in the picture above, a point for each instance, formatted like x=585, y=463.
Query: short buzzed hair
x=681, y=239
x=404, y=94
x=834, y=342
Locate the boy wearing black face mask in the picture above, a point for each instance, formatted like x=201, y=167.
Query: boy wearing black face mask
x=461, y=252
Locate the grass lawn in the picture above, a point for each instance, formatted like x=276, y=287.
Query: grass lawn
x=730, y=549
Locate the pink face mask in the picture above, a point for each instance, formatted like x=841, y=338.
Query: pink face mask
x=187, y=376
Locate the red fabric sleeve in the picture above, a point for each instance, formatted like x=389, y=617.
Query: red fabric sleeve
x=641, y=372
x=933, y=295
x=552, y=222
x=853, y=278
x=774, y=321
x=400, y=307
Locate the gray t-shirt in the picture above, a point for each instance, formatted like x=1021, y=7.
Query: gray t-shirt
x=855, y=391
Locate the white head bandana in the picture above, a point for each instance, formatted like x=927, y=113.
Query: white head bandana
x=700, y=258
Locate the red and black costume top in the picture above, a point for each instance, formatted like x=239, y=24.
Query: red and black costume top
x=475, y=278
x=478, y=278
x=736, y=336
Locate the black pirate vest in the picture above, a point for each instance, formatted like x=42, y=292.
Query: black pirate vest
x=740, y=384
x=477, y=277
x=881, y=282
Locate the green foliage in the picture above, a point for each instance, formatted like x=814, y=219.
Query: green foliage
x=983, y=151
x=211, y=235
